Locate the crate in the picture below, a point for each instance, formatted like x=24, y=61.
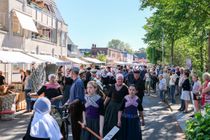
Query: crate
x=20, y=101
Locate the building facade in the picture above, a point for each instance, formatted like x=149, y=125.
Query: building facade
x=33, y=26
x=112, y=55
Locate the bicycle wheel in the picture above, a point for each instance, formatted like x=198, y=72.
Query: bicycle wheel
x=65, y=130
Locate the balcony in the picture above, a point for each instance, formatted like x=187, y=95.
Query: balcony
x=3, y=21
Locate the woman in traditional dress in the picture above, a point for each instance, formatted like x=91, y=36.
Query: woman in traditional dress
x=42, y=125
x=113, y=102
x=51, y=90
x=93, y=113
x=128, y=118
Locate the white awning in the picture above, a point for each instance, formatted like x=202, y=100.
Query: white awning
x=122, y=63
x=17, y=57
x=26, y=22
x=77, y=61
x=93, y=60
x=48, y=58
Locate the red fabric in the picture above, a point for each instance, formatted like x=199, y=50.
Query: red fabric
x=7, y=112
x=52, y=85
x=203, y=98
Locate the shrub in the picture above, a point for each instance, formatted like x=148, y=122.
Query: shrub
x=198, y=128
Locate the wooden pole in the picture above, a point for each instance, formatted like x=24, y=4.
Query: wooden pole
x=91, y=131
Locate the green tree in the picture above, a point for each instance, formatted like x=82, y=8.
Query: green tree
x=101, y=57
x=120, y=45
x=188, y=19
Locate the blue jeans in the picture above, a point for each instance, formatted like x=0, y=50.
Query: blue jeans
x=172, y=93
x=28, y=99
x=162, y=94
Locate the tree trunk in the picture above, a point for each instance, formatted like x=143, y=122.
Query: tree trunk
x=172, y=51
x=208, y=63
x=201, y=57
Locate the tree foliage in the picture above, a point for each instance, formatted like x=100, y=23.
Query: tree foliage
x=101, y=57
x=119, y=45
x=183, y=24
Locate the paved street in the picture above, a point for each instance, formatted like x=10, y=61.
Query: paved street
x=160, y=123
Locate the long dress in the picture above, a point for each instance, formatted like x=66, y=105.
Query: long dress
x=111, y=112
x=130, y=122
x=93, y=109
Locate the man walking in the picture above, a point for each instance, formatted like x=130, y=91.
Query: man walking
x=76, y=99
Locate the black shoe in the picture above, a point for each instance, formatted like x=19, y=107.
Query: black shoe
x=192, y=116
x=180, y=109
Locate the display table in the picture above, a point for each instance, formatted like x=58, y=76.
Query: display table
x=6, y=102
x=20, y=101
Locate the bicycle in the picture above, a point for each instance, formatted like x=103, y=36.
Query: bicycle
x=62, y=119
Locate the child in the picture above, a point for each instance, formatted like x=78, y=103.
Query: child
x=93, y=113
x=128, y=118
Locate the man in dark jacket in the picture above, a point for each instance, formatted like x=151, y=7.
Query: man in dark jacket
x=139, y=83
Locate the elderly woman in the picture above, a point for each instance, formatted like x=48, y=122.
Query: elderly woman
x=51, y=90
x=42, y=125
x=116, y=95
x=205, y=89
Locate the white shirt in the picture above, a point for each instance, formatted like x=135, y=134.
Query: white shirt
x=172, y=79
x=196, y=87
x=162, y=84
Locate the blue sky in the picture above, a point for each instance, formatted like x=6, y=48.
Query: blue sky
x=99, y=21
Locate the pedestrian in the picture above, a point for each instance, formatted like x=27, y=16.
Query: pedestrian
x=42, y=125
x=196, y=92
x=93, y=113
x=162, y=87
x=139, y=83
x=2, y=79
x=206, y=78
x=23, y=78
x=172, y=86
x=75, y=101
x=28, y=84
x=128, y=116
x=186, y=87
x=148, y=82
x=113, y=102
x=68, y=81
x=51, y=90
x=181, y=80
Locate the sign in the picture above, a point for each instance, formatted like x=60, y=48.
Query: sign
x=111, y=133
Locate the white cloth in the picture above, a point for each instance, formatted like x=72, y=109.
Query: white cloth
x=196, y=87
x=147, y=76
x=43, y=124
x=172, y=79
x=162, y=84
x=91, y=100
x=185, y=95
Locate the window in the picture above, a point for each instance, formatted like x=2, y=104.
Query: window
x=45, y=33
x=62, y=39
x=16, y=28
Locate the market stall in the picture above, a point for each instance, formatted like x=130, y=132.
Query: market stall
x=92, y=60
x=15, y=96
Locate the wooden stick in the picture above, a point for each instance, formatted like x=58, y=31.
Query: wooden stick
x=104, y=95
x=166, y=102
x=91, y=131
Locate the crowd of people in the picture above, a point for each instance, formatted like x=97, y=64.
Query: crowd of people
x=102, y=98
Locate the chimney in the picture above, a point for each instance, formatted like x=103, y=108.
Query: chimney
x=93, y=45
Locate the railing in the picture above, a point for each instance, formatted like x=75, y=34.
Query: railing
x=3, y=21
